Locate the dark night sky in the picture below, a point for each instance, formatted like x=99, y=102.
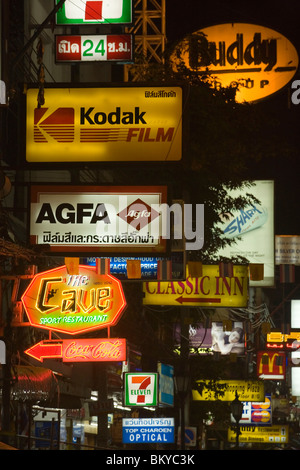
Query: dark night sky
x=188, y=16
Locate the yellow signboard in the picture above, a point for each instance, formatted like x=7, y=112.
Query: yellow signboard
x=255, y=59
x=104, y=124
x=247, y=391
x=209, y=290
x=263, y=434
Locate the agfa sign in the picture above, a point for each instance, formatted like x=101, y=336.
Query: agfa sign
x=257, y=59
x=56, y=300
x=94, y=219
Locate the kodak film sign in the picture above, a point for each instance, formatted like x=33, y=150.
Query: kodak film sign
x=254, y=59
x=104, y=125
x=209, y=290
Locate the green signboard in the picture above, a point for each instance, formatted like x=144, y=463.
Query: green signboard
x=94, y=12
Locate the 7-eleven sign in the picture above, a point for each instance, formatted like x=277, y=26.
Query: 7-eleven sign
x=95, y=11
x=140, y=389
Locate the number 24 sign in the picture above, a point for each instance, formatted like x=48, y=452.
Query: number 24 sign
x=113, y=47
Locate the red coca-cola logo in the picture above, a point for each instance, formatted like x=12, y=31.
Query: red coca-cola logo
x=90, y=350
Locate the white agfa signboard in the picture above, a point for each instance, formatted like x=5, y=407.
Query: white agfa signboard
x=97, y=219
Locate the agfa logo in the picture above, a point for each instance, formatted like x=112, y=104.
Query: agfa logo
x=59, y=125
x=138, y=214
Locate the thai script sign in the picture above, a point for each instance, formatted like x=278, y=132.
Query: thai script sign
x=105, y=124
x=94, y=12
x=94, y=48
x=91, y=219
x=140, y=389
x=148, y=430
x=56, y=300
x=208, y=290
x=254, y=59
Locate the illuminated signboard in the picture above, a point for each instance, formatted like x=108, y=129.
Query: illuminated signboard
x=287, y=249
x=80, y=350
x=148, y=430
x=56, y=300
x=166, y=384
x=256, y=59
x=261, y=434
x=210, y=290
x=278, y=340
x=93, y=48
x=2, y=352
x=254, y=225
x=295, y=313
x=91, y=219
x=204, y=340
x=140, y=389
x=150, y=266
x=247, y=391
x=257, y=413
x=271, y=365
x=94, y=12
x=112, y=124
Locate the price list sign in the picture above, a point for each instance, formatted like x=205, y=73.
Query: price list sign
x=92, y=48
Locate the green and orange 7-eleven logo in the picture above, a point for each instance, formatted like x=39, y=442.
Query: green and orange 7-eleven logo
x=140, y=389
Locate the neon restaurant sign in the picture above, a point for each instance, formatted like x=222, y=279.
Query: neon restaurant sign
x=74, y=303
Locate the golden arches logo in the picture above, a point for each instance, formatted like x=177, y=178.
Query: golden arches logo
x=270, y=363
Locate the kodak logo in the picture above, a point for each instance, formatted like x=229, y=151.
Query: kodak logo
x=88, y=116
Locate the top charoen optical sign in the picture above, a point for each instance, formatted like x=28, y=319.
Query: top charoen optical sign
x=95, y=12
x=256, y=60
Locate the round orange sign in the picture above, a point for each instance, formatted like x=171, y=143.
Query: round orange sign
x=256, y=60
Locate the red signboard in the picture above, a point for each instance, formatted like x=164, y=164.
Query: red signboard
x=91, y=48
x=73, y=303
x=271, y=365
x=80, y=350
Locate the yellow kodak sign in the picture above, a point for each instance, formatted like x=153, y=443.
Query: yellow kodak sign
x=209, y=290
x=104, y=124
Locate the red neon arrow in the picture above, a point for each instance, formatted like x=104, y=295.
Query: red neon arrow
x=45, y=350
x=182, y=300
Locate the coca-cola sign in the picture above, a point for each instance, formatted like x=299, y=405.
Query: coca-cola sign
x=80, y=350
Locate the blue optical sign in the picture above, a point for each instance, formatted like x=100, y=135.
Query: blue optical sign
x=148, y=430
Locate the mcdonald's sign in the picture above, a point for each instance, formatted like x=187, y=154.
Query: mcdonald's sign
x=271, y=365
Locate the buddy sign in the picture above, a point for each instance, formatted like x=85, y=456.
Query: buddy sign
x=56, y=300
x=255, y=59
